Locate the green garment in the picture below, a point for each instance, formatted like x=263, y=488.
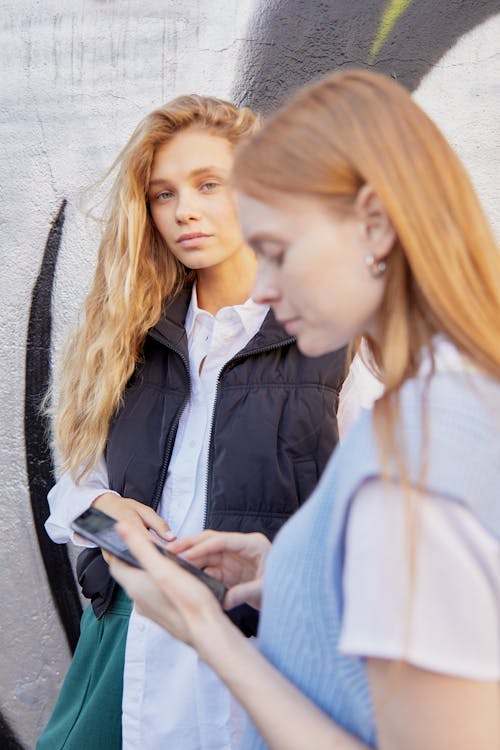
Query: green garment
x=88, y=712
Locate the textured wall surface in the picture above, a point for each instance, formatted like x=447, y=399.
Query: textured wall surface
x=76, y=78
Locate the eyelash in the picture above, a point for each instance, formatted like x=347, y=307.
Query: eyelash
x=276, y=259
x=205, y=187
x=164, y=192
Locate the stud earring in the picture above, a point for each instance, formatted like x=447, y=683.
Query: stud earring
x=376, y=268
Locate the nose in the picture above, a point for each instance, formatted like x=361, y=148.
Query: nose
x=187, y=208
x=266, y=289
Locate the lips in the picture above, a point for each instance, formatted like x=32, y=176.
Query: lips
x=192, y=239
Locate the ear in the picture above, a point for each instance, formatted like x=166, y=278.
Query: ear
x=376, y=227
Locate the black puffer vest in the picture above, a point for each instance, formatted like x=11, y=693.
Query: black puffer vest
x=273, y=429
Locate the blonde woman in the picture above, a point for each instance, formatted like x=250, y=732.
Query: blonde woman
x=184, y=405
x=380, y=622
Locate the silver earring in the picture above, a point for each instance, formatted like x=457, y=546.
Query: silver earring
x=376, y=268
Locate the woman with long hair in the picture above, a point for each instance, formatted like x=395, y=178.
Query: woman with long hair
x=183, y=404
x=380, y=622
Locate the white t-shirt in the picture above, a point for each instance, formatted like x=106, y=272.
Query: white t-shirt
x=444, y=615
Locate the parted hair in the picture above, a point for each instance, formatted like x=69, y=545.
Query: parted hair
x=443, y=273
x=135, y=275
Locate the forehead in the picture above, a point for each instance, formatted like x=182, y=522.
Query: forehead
x=278, y=213
x=190, y=151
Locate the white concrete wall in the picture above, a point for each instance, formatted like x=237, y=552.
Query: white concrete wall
x=76, y=78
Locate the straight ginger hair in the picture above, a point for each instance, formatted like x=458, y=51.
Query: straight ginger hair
x=135, y=276
x=443, y=272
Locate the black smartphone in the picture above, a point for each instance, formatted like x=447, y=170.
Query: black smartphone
x=99, y=528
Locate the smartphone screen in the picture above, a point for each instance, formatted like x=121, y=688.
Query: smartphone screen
x=99, y=528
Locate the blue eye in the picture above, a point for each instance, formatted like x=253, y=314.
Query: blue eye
x=164, y=196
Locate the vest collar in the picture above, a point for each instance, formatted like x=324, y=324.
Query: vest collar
x=270, y=334
x=170, y=329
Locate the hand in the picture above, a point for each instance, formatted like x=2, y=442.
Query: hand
x=163, y=591
x=125, y=508
x=143, y=517
x=233, y=558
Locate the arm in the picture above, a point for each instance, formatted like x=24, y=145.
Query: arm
x=420, y=710
x=67, y=500
x=287, y=719
x=431, y=634
x=415, y=709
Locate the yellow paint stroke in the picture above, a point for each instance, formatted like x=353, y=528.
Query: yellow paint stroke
x=393, y=11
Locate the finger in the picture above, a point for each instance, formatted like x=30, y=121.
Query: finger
x=207, y=560
x=181, y=545
x=217, y=544
x=141, y=545
x=244, y=593
x=156, y=523
x=170, y=577
x=130, y=579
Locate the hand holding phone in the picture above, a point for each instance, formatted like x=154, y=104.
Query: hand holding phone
x=99, y=528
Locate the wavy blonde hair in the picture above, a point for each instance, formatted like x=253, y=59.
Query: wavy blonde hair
x=443, y=273
x=135, y=275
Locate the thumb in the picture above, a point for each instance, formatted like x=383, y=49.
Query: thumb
x=244, y=593
x=156, y=523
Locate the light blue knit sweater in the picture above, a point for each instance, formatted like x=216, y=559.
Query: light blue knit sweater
x=302, y=606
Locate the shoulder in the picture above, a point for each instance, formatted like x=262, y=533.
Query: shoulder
x=455, y=569
x=462, y=394
x=448, y=437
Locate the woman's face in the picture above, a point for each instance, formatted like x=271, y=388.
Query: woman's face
x=312, y=265
x=191, y=203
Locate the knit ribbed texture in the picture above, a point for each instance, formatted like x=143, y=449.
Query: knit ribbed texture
x=302, y=607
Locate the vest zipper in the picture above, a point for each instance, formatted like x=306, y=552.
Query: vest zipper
x=173, y=431
x=237, y=357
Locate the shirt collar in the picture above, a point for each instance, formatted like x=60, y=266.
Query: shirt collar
x=247, y=313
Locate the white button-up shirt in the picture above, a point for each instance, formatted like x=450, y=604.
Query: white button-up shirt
x=170, y=698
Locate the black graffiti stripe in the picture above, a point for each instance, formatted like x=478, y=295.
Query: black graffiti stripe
x=39, y=462
x=8, y=740
x=292, y=42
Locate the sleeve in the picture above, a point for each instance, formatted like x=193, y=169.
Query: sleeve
x=444, y=614
x=68, y=500
x=359, y=391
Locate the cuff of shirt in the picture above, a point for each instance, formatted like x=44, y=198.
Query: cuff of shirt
x=57, y=525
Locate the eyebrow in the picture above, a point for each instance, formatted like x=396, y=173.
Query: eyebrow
x=194, y=173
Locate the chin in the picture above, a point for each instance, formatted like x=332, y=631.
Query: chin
x=314, y=347
x=311, y=347
x=197, y=264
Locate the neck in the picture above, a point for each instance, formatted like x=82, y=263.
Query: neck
x=228, y=283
